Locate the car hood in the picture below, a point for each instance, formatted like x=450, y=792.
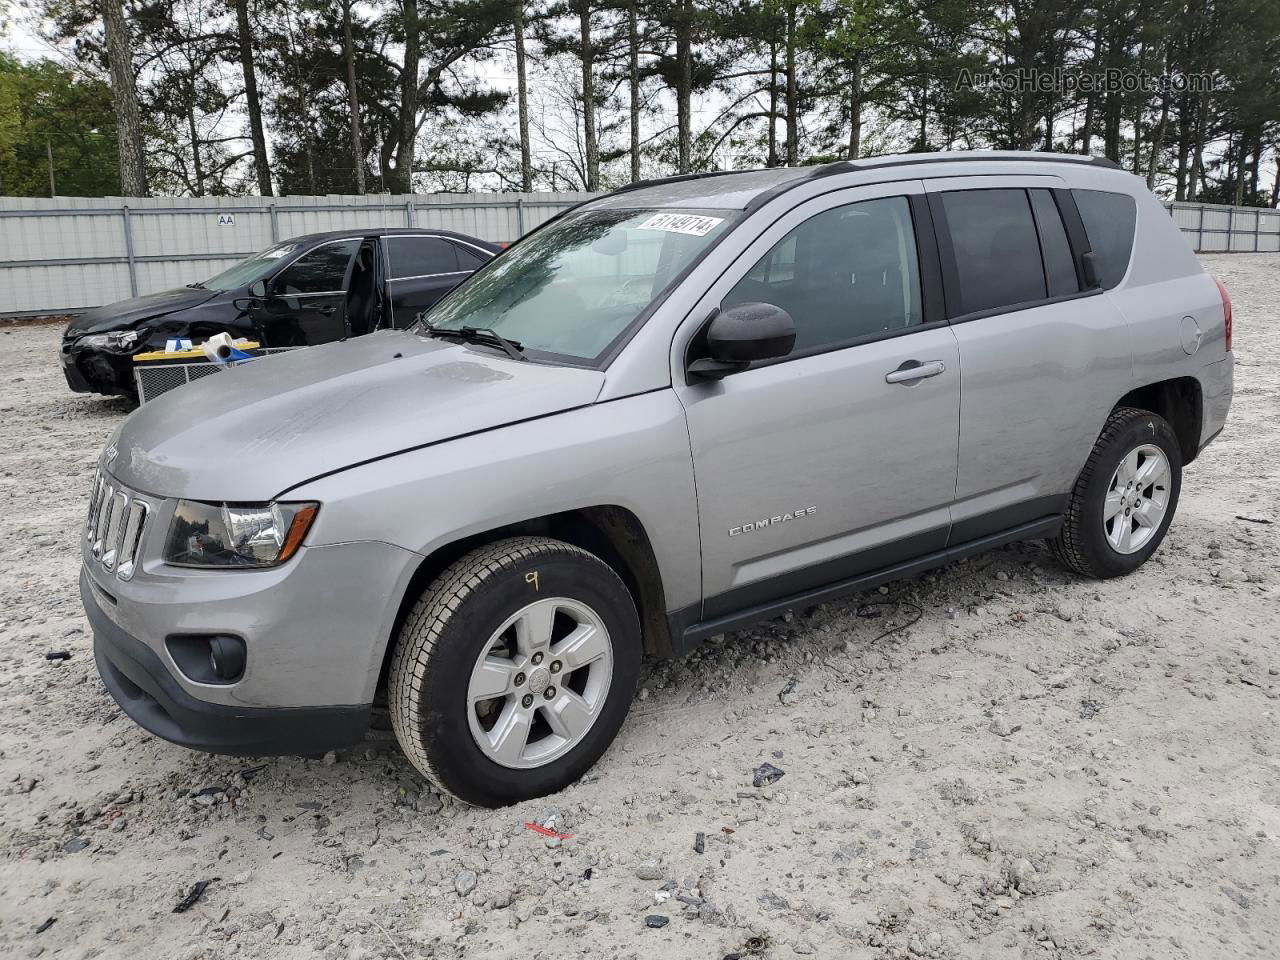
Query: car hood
x=253, y=431
x=123, y=314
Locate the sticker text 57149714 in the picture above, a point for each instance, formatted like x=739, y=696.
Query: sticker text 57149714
x=692, y=224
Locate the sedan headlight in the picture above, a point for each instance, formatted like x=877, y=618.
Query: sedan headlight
x=120, y=340
x=236, y=535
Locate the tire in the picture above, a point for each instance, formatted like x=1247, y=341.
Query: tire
x=467, y=613
x=1094, y=546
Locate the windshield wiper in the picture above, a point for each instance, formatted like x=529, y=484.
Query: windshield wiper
x=482, y=335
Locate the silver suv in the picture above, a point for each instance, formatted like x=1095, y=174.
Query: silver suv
x=673, y=410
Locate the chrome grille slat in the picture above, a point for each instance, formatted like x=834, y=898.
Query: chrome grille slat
x=131, y=539
x=115, y=525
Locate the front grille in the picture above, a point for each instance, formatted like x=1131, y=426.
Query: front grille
x=117, y=518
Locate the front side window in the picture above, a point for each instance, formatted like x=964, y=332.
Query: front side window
x=1109, y=220
x=575, y=286
x=845, y=274
x=996, y=248
x=323, y=270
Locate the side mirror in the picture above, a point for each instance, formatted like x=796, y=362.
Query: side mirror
x=742, y=334
x=258, y=289
x=1089, y=265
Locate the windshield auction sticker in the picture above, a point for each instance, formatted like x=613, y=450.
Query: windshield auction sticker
x=694, y=226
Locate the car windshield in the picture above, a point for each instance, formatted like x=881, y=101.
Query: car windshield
x=574, y=287
x=247, y=271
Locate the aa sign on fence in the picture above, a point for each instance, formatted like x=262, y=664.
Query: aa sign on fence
x=226, y=219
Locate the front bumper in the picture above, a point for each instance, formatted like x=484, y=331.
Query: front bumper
x=97, y=371
x=147, y=692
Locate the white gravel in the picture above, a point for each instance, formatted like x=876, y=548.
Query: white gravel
x=1042, y=766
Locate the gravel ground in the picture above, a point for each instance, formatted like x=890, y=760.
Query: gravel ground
x=1040, y=766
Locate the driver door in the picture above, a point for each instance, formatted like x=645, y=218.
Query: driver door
x=840, y=458
x=306, y=302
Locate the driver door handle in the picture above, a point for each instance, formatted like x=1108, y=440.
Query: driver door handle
x=914, y=370
x=327, y=311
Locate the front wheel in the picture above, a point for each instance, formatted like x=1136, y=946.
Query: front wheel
x=1125, y=497
x=515, y=670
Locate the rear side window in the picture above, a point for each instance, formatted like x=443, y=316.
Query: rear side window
x=1059, y=267
x=996, y=247
x=846, y=274
x=420, y=256
x=1109, y=220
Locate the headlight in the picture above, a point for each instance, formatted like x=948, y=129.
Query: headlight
x=116, y=340
x=236, y=535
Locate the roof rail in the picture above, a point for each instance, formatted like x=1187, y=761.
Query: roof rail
x=867, y=163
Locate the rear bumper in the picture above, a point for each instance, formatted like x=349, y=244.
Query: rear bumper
x=1217, y=384
x=147, y=692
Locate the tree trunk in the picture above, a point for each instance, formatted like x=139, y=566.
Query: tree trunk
x=855, y=106
x=589, y=97
x=684, y=89
x=353, y=96
x=773, y=103
x=633, y=83
x=1275, y=186
x=522, y=100
x=1184, y=146
x=1239, y=177
x=402, y=182
x=133, y=178
x=198, y=187
x=1157, y=142
x=1197, y=151
x=252, y=101
x=793, y=111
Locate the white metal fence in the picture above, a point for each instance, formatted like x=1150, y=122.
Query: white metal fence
x=1217, y=228
x=65, y=254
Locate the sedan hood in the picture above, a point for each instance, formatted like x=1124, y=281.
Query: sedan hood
x=123, y=314
x=250, y=433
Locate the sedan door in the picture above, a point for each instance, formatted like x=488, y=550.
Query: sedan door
x=839, y=459
x=421, y=269
x=306, y=301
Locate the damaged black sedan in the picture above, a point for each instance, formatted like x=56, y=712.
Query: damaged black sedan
x=308, y=290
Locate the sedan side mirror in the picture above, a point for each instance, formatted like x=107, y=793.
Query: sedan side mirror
x=742, y=334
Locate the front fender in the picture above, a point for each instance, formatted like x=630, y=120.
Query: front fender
x=633, y=452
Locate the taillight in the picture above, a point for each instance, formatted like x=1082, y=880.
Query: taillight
x=1226, y=311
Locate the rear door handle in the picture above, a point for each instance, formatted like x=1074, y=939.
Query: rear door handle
x=914, y=370
x=327, y=311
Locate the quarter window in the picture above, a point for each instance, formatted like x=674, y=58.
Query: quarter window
x=323, y=270
x=997, y=250
x=469, y=259
x=845, y=274
x=420, y=256
x=1109, y=220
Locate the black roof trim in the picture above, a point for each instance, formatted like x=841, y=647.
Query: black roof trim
x=680, y=178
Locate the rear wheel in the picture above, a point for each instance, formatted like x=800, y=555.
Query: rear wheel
x=515, y=670
x=1125, y=497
